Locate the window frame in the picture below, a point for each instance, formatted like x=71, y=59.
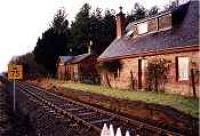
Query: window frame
x=141, y=25
x=180, y=77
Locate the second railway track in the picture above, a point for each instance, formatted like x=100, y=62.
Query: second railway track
x=93, y=118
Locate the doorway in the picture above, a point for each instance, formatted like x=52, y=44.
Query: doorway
x=140, y=74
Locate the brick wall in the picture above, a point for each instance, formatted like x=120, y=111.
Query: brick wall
x=120, y=24
x=60, y=71
x=128, y=76
x=86, y=67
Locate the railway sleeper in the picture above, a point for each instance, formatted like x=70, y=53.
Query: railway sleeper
x=107, y=120
x=86, y=114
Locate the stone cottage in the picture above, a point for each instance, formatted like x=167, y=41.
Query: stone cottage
x=77, y=68
x=61, y=66
x=171, y=36
x=81, y=67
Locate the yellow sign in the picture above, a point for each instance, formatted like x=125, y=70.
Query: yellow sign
x=15, y=71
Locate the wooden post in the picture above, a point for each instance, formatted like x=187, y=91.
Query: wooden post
x=193, y=83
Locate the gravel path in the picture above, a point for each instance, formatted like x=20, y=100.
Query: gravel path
x=33, y=119
x=11, y=124
x=46, y=122
x=5, y=122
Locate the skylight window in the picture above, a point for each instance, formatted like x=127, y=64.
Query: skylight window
x=129, y=34
x=142, y=28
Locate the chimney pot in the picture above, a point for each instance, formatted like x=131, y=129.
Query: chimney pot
x=120, y=9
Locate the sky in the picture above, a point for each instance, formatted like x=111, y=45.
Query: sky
x=23, y=21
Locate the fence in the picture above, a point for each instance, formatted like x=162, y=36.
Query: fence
x=110, y=131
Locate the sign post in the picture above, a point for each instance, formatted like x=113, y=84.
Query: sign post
x=15, y=72
x=14, y=101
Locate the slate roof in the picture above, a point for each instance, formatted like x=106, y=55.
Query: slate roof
x=79, y=58
x=184, y=33
x=65, y=58
x=74, y=59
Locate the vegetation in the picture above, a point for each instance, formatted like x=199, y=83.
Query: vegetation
x=186, y=105
x=110, y=66
x=96, y=26
x=153, y=11
x=157, y=74
x=92, y=26
x=30, y=68
x=53, y=43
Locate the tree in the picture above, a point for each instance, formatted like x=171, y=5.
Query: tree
x=92, y=26
x=53, y=43
x=60, y=24
x=30, y=67
x=137, y=13
x=172, y=5
x=101, y=30
x=157, y=74
x=80, y=30
x=153, y=11
x=109, y=30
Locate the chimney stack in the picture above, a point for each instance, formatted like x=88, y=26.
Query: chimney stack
x=120, y=23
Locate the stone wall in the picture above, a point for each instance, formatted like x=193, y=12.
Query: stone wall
x=128, y=75
x=61, y=72
x=86, y=67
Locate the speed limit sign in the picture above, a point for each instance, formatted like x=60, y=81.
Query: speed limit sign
x=15, y=71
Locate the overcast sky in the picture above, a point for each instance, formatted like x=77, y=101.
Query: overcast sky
x=23, y=21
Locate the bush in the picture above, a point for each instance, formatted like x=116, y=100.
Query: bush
x=110, y=66
x=157, y=74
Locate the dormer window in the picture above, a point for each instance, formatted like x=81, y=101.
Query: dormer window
x=161, y=22
x=143, y=28
x=165, y=22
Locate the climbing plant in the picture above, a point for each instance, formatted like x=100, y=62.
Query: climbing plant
x=111, y=66
x=157, y=74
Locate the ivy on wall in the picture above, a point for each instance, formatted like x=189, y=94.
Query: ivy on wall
x=111, y=66
x=157, y=74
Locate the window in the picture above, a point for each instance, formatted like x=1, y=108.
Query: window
x=142, y=28
x=129, y=34
x=183, y=68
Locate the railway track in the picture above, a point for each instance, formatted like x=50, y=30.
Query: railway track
x=93, y=118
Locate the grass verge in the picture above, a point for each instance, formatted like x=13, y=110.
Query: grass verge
x=183, y=104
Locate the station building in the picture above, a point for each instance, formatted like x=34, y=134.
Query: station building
x=172, y=36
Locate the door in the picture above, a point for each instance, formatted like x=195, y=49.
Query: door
x=142, y=67
x=140, y=74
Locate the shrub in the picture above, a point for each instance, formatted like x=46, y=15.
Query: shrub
x=110, y=66
x=157, y=74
